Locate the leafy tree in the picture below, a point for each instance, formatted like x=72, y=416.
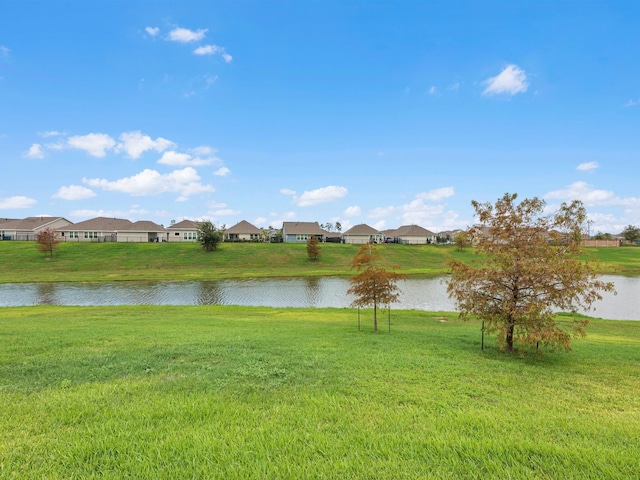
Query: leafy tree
x=209, y=236
x=531, y=268
x=462, y=240
x=338, y=227
x=373, y=285
x=47, y=241
x=313, y=248
x=631, y=233
x=603, y=236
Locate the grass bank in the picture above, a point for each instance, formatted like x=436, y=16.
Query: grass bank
x=22, y=262
x=239, y=393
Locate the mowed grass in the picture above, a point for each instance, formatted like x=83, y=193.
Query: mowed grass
x=22, y=262
x=241, y=393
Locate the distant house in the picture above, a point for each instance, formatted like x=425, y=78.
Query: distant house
x=300, y=232
x=142, y=231
x=184, y=231
x=243, y=232
x=414, y=235
x=28, y=228
x=362, y=234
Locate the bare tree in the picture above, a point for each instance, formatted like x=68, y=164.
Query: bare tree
x=47, y=241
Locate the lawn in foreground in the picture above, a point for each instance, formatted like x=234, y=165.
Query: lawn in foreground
x=228, y=392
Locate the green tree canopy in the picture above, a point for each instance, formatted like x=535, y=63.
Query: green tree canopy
x=209, y=235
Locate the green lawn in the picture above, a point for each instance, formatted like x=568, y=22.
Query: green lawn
x=22, y=262
x=240, y=393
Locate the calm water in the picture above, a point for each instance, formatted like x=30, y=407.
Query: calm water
x=417, y=294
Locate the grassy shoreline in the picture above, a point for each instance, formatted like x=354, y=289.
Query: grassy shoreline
x=229, y=392
x=21, y=261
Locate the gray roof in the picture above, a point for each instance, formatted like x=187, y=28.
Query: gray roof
x=362, y=229
x=10, y=223
x=413, y=231
x=31, y=223
x=243, y=227
x=185, y=225
x=100, y=224
x=303, y=228
x=143, y=226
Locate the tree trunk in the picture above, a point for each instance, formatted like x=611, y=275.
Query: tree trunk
x=509, y=339
x=375, y=317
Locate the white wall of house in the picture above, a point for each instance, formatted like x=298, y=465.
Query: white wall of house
x=176, y=235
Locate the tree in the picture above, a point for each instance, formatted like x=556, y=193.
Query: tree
x=313, y=248
x=462, y=240
x=531, y=268
x=373, y=285
x=631, y=233
x=209, y=236
x=338, y=227
x=47, y=241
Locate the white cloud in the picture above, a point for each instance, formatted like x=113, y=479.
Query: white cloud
x=509, y=81
x=96, y=144
x=178, y=159
x=130, y=214
x=454, y=86
x=417, y=212
x=632, y=103
x=379, y=212
x=74, y=192
x=222, y=172
x=51, y=133
x=225, y=212
x=433, y=90
x=437, y=194
x=202, y=150
x=35, y=151
x=591, y=197
x=587, y=167
x=184, y=35
x=17, y=202
x=153, y=31
x=135, y=144
x=352, y=211
x=320, y=195
x=213, y=50
x=186, y=182
x=380, y=225
x=4, y=51
x=287, y=191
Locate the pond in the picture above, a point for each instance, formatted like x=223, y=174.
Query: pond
x=416, y=294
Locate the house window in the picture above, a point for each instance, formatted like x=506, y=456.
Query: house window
x=177, y=234
x=90, y=234
x=73, y=234
x=302, y=237
x=190, y=235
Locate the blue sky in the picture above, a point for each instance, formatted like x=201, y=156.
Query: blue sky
x=385, y=113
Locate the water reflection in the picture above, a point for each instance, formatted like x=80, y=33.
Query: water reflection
x=416, y=294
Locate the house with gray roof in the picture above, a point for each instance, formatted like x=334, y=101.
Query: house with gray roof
x=362, y=234
x=99, y=229
x=142, y=231
x=243, y=231
x=300, y=232
x=414, y=235
x=184, y=231
x=28, y=228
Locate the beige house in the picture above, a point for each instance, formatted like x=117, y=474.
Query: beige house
x=243, y=232
x=28, y=228
x=362, y=234
x=184, y=231
x=300, y=232
x=142, y=231
x=414, y=235
x=99, y=229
